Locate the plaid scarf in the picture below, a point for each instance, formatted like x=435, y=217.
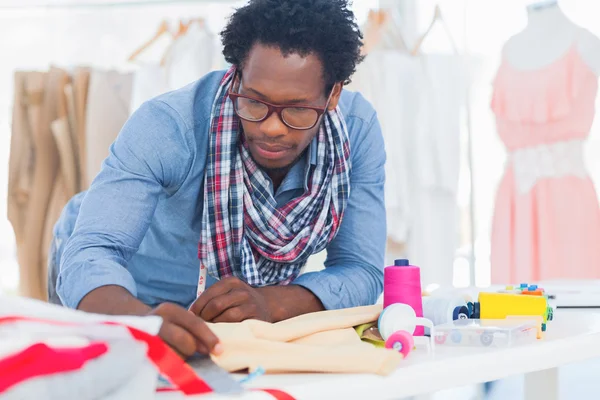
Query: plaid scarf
x=244, y=233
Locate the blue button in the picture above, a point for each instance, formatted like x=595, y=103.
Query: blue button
x=524, y=285
x=533, y=287
x=401, y=263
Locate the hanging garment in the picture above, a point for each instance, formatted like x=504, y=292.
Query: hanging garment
x=419, y=101
x=66, y=181
x=317, y=342
x=441, y=84
x=546, y=222
x=149, y=81
x=20, y=166
x=108, y=102
x=64, y=132
x=385, y=80
x=43, y=169
x=31, y=262
x=189, y=58
x=81, y=80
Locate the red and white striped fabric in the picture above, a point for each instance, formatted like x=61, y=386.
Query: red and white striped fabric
x=49, y=352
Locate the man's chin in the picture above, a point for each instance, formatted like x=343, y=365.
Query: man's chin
x=272, y=169
x=276, y=167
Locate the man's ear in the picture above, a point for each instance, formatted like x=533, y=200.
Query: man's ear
x=335, y=96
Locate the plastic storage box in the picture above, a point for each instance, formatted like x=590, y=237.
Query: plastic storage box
x=486, y=332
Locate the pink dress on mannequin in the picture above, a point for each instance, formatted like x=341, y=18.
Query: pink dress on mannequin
x=547, y=219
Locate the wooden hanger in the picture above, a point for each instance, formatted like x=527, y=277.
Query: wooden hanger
x=377, y=22
x=183, y=28
x=437, y=16
x=396, y=32
x=162, y=29
x=372, y=31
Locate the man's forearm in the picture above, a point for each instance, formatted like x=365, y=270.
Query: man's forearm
x=290, y=301
x=112, y=300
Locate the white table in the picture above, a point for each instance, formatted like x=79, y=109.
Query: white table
x=572, y=336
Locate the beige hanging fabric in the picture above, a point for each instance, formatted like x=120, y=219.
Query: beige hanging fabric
x=324, y=341
x=108, y=100
x=20, y=165
x=28, y=99
x=32, y=267
x=43, y=168
x=81, y=81
x=66, y=180
x=62, y=127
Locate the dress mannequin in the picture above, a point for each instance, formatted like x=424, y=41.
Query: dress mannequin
x=548, y=35
x=546, y=223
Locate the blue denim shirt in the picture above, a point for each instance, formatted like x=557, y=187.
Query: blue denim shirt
x=138, y=224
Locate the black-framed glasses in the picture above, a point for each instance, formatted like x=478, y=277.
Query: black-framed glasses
x=294, y=116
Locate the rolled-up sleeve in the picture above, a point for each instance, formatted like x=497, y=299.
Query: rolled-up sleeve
x=150, y=158
x=353, y=274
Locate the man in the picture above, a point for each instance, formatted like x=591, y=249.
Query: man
x=214, y=196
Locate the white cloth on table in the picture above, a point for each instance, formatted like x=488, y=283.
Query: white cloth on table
x=123, y=371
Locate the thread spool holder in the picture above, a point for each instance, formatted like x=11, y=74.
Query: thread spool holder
x=396, y=324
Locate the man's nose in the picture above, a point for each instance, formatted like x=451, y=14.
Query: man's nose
x=273, y=126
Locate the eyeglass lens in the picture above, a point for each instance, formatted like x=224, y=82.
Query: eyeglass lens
x=295, y=117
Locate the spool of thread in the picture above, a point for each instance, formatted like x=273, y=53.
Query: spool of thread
x=402, y=284
x=443, y=310
x=396, y=317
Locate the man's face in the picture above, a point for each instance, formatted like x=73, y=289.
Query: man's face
x=293, y=80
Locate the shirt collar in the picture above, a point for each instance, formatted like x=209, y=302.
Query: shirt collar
x=297, y=177
x=312, y=151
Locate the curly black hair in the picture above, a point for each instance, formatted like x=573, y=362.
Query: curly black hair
x=326, y=28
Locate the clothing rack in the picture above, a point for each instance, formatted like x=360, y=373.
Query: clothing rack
x=75, y=113
x=401, y=8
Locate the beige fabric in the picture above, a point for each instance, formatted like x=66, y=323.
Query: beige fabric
x=57, y=146
x=26, y=128
x=20, y=165
x=66, y=152
x=108, y=99
x=335, y=337
x=81, y=80
x=65, y=134
x=60, y=190
x=317, y=342
x=32, y=263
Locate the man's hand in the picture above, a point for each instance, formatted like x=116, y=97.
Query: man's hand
x=185, y=332
x=231, y=300
x=182, y=330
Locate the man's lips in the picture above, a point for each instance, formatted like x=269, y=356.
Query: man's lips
x=271, y=151
x=272, y=147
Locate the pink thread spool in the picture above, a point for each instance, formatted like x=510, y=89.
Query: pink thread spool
x=402, y=284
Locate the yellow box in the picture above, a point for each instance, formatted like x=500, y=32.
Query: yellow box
x=502, y=305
